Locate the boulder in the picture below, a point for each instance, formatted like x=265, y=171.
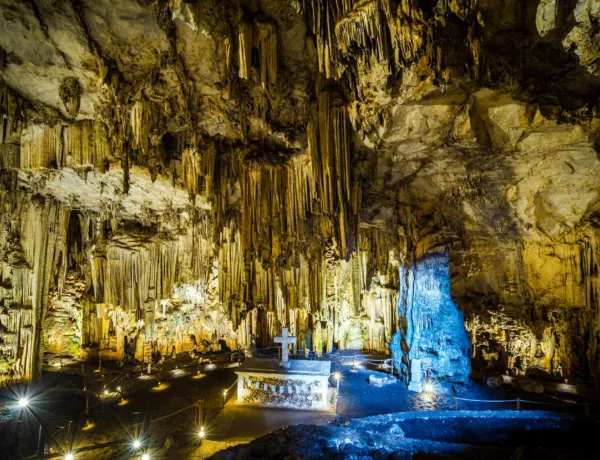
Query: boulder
x=396, y=430
x=538, y=374
x=380, y=380
x=495, y=382
x=528, y=385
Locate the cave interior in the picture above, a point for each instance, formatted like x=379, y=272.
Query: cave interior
x=414, y=179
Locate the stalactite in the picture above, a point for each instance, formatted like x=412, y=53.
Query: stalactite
x=12, y=115
x=140, y=125
x=125, y=167
x=39, y=146
x=408, y=29
x=351, y=36
x=84, y=144
x=329, y=151
x=70, y=93
x=266, y=38
x=228, y=49
x=198, y=168
x=231, y=265
x=261, y=35
x=245, y=31
x=363, y=27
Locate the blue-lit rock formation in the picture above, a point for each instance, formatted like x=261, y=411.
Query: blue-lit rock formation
x=431, y=325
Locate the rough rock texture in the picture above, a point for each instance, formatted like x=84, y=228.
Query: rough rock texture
x=431, y=326
x=176, y=173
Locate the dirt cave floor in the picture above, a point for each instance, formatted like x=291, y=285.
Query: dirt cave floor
x=164, y=418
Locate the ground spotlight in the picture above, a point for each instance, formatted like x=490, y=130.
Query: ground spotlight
x=201, y=433
x=69, y=457
x=105, y=391
x=145, y=457
x=23, y=402
x=428, y=387
x=337, y=375
x=136, y=444
x=118, y=388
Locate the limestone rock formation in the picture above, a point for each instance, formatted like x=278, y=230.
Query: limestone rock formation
x=174, y=173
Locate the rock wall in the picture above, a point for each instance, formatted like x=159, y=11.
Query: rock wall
x=174, y=174
x=432, y=328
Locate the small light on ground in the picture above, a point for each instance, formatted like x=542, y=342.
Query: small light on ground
x=145, y=457
x=23, y=402
x=88, y=426
x=337, y=376
x=105, y=391
x=136, y=444
x=428, y=387
x=69, y=457
x=119, y=388
x=160, y=386
x=201, y=433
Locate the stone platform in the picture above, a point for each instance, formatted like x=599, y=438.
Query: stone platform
x=300, y=385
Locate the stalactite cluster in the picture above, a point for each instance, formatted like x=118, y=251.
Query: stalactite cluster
x=261, y=35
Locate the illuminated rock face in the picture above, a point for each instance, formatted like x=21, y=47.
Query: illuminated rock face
x=432, y=327
x=174, y=174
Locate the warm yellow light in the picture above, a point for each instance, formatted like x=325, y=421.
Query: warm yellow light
x=160, y=387
x=428, y=387
x=88, y=426
x=224, y=392
x=105, y=391
x=137, y=444
x=145, y=457
x=69, y=457
x=201, y=434
x=23, y=402
x=118, y=388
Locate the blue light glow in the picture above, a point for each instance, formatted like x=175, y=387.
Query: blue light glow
x=431, y=325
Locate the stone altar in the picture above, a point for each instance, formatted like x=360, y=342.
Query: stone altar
x=297, y=384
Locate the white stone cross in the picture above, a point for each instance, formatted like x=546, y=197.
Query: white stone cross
x=285, y=340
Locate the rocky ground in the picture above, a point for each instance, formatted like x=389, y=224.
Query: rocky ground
x=462, y=434
x=112, y=424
